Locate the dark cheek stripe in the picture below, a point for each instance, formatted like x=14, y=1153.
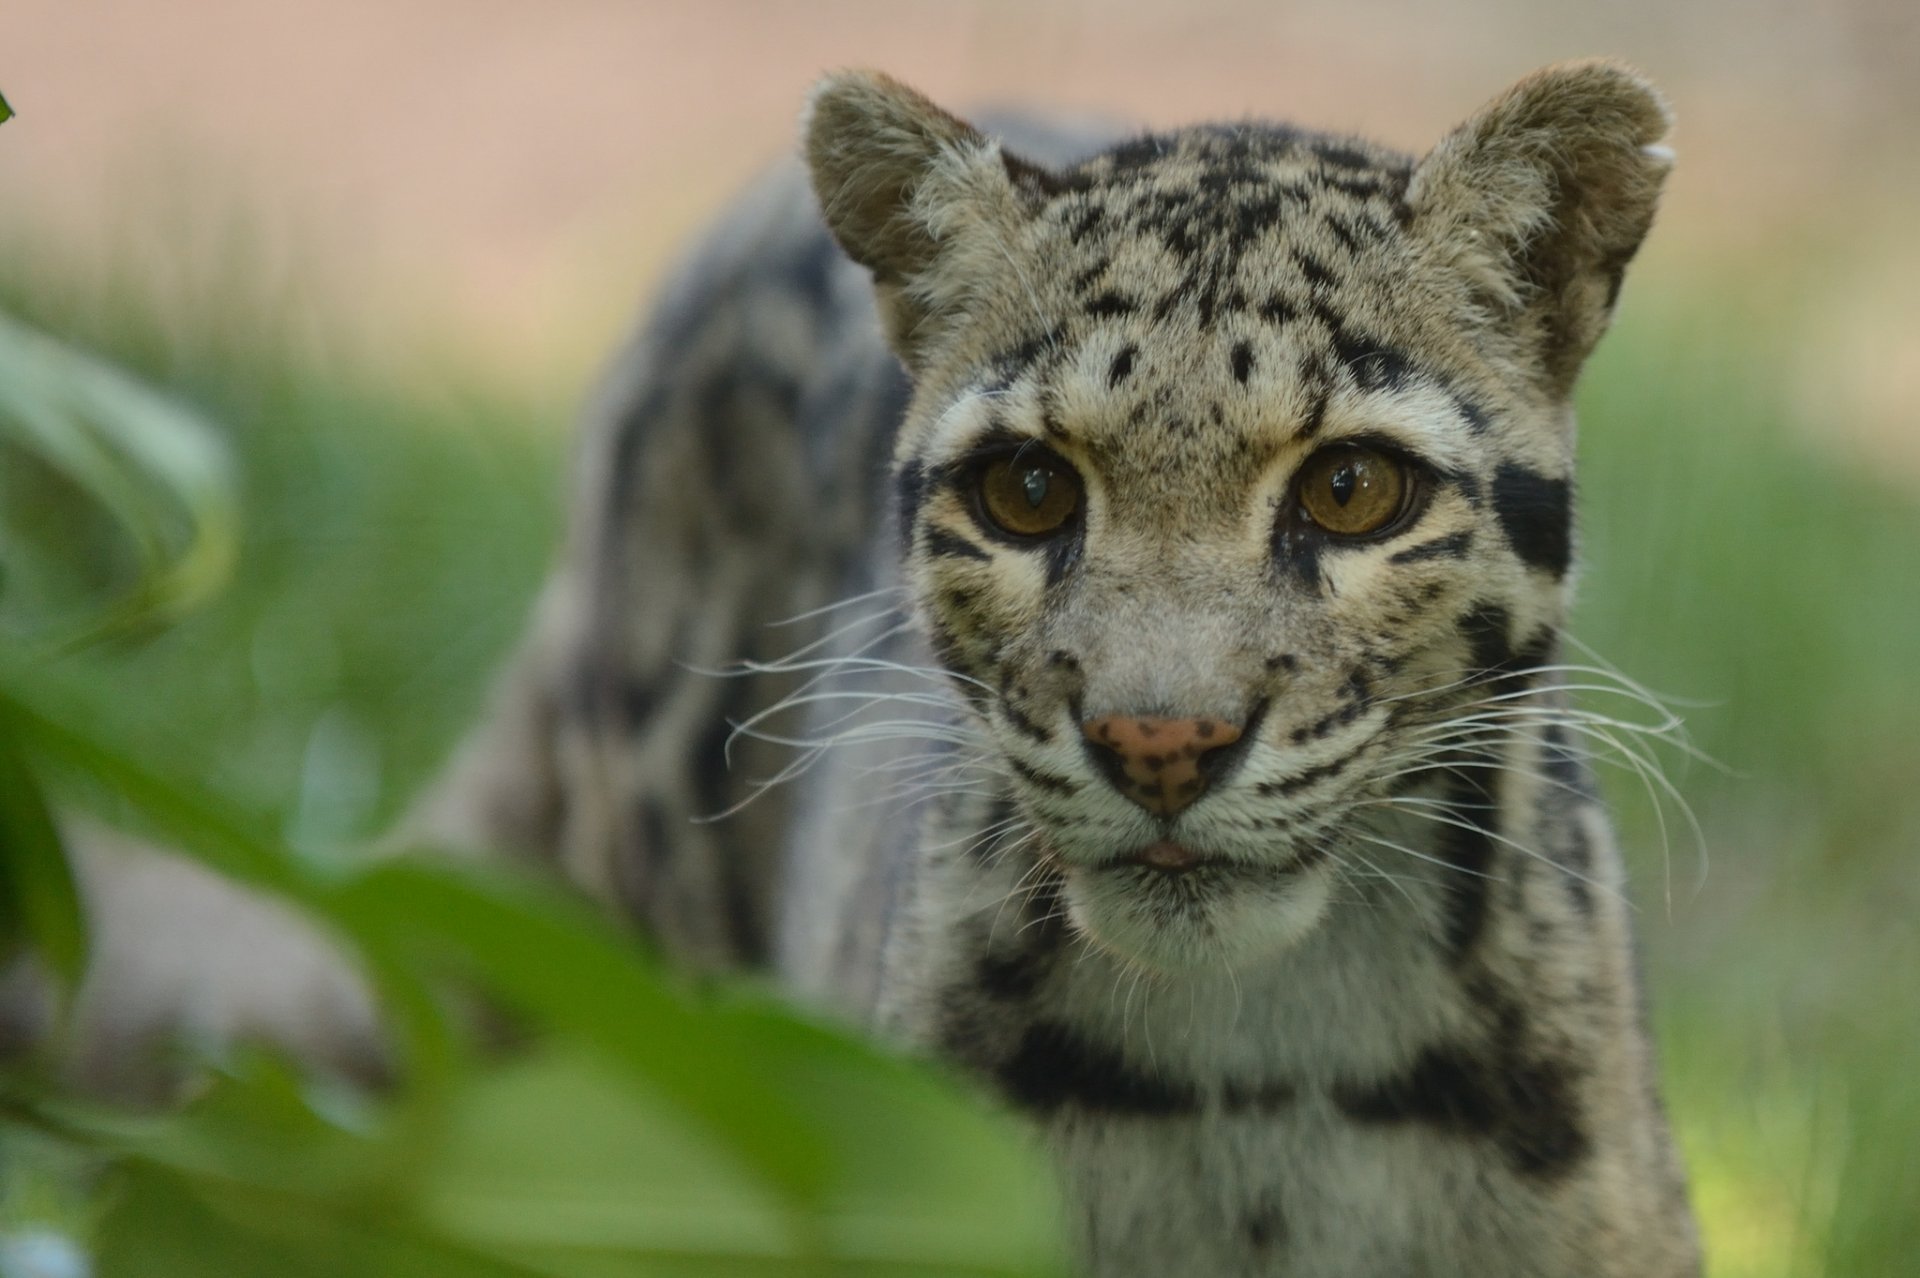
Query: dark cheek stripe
x=1452, y=546
x=949, y=545
x=1536, y=513
x=909, y=491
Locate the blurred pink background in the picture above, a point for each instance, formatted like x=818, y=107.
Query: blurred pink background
x=501, y=180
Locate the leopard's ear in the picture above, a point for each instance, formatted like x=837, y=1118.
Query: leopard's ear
x=917, y=196
x=1540, y=201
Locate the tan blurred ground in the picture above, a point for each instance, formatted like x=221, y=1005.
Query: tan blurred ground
x=503, y=178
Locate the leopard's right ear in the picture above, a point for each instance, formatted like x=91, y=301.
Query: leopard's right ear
x=1542, y=198
x=914, y=194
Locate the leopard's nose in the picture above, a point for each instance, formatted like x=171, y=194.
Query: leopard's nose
x=1161, y=764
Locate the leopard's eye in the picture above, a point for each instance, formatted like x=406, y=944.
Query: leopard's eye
x=1352, y=491
x=1029, y=494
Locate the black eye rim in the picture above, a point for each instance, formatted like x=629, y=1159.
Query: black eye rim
x=973, y=472
x=1417, y=478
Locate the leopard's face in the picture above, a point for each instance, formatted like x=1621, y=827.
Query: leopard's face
x=1225, y=492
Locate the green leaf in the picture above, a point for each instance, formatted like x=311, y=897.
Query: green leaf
x=157, y=471
x=165, y=1225
x=6, y=112
x=557, y=962
x=654, y=1134
x=39, y=902
x=874, y=1160
x=566, y=1164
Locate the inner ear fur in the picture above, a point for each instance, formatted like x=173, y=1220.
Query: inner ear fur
x=916, y=195
x=1540, y=200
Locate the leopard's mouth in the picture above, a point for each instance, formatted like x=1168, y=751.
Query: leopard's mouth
x=1171, y=905
x=1176, y=860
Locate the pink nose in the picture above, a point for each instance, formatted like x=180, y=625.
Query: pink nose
x=1157, y=762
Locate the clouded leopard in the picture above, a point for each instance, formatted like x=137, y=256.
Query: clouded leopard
x=1135, y=570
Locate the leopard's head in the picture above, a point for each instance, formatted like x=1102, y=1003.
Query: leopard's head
x=1236, y=484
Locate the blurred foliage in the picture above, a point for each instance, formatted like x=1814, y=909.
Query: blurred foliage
x=648, y=1132
x=391, y=535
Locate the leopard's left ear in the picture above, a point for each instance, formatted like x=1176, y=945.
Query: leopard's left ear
x=1542, y=198
x=916, y=195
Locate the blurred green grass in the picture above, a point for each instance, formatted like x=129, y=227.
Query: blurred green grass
x=396, y=526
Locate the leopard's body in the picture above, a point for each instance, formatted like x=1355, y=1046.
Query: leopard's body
x=1387, y=1022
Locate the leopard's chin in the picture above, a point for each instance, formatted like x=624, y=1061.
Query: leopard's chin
x=1215, y=914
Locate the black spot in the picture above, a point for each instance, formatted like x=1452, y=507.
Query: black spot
x=1360, y=188
x=960, y=600
x=1341, y=156
x=1575, y=858
x=632, y=432
x=1016, y=359
x=1316, y=415
x=1485, y=628
x=1278, y=310
x=1465, y=841
x=1343, y=231
x=1137, y=152
x=1242, y=362
x=1010, y=978
x=1040, y=180
x=712, y=775
x=1536, y=513
x=1171, y=299
x=1044, y=780
x=1477, y=420
x=1110, y=304
x=909, y=491
x=1054, y=1067
x=1301, y=780
x=1084, y=220
x=1563, y=766
x=1061, y=554
x=1238, y=1096
x=1510, y=1093
x=1314, y=269
x=1373, y=365
x=1265, y=1227
x=946, y=646
x=638, y=696
x=1298, y=549
x=943, y=543
x=1451, y=546
x=1091, y=276
x=1022, y=724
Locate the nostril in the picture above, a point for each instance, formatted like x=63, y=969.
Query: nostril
x=1217, y=759
x=1111, y=763
x=1217, y=762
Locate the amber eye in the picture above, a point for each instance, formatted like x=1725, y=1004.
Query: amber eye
x=1351, y=491
x=1029, y=494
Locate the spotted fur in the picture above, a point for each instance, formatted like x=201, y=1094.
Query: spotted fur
x=1366, y=1004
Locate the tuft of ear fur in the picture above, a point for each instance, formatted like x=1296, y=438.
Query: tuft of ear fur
x=914, y=194
x=1542, y=198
